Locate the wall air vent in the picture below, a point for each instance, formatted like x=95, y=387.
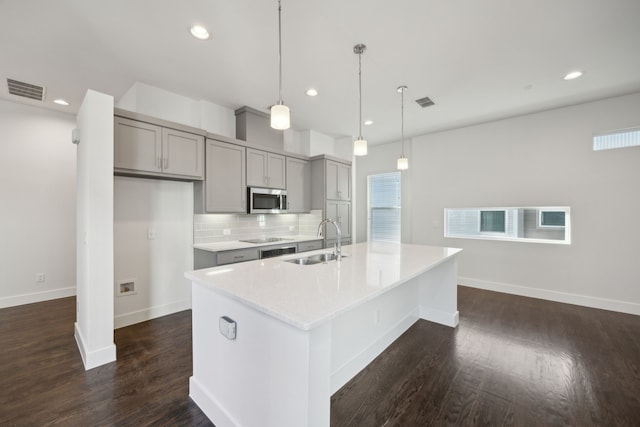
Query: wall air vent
x=25, y=90
x=425, y=102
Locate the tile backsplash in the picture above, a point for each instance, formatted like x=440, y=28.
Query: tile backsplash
x=224, y=227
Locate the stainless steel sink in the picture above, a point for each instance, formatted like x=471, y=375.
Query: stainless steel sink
x=314, y=259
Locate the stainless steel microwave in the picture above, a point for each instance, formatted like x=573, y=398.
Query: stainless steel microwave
x=266, y=200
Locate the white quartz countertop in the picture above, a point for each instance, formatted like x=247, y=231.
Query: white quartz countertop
x=306, y=296
x=236, y=244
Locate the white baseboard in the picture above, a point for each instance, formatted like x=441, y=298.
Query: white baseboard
x=546, y=294
x=134, y=317
x=210, y=405
x=16, y=300
x=93, y=358
x=341, y=375
x=441, y=317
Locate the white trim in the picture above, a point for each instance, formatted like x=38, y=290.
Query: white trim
x=211, y=407
x=439, y=316
x=37, y=297
x=93, y=359
x=546, y=294
x=126, y=319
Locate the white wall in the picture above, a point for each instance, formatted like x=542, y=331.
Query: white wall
x=161, y=103
x=538, y=159
x=164, y=208
x=37, y=204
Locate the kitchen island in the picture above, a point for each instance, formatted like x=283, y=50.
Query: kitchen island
x=273, y=340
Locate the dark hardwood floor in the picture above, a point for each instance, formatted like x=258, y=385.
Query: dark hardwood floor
x=512, y=361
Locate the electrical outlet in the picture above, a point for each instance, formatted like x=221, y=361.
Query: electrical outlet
x=40, y=277
x=151, y=234
x=226, y=231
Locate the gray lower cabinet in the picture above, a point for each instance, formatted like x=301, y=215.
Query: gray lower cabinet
x=238, y=255
x=224, y=187
x=311, y=245
x=207, y=259
x=298, y=185
x=150, y=150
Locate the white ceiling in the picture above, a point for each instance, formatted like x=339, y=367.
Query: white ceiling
x=478, y=60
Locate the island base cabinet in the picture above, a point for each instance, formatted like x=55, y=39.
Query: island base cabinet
x=275, y=373
x=272, y=374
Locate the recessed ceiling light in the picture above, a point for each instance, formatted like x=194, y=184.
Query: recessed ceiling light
x=61, y=102
x=368, y=122
x=312, y=92
x=199, y=32
x=573, y=75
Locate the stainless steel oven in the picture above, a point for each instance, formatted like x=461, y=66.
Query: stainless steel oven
x=266, y=200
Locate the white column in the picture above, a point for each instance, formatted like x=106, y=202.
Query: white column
x=94, y=232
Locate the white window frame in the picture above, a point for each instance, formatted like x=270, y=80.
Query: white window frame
x=557, y=227
x=492, y=233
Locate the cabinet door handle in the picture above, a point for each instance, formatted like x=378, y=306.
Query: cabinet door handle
x=159, y=163
x=166, y=163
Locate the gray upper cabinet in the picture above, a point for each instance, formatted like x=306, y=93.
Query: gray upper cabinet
x=298, y=185
x=137, y=146
x=149, y=150
x=265, y=169
x=183, y=153
x=224, y=189
x=338, y=181
x=331, y=192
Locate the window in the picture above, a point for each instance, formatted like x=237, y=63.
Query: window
x=384, y=200
x=530, y=224
x=492, y=221
x=551, y=219
x=617, y=139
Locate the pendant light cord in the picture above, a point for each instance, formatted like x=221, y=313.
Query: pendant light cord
x=360, y=93
x=280, y=51
x=402, y=118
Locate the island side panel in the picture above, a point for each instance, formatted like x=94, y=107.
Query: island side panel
x=272, y=374
x=439, y=293
x=361, y=334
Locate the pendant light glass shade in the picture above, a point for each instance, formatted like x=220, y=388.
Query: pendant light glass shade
x=403, y=162
x=360, y=145
x=280, y=117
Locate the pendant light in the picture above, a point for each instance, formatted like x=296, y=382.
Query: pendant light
x=360, y=145
x=403, y=162
x=280, y=113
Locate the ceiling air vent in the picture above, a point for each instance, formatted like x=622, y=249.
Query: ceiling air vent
x=425, y=102
x=25, y=90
